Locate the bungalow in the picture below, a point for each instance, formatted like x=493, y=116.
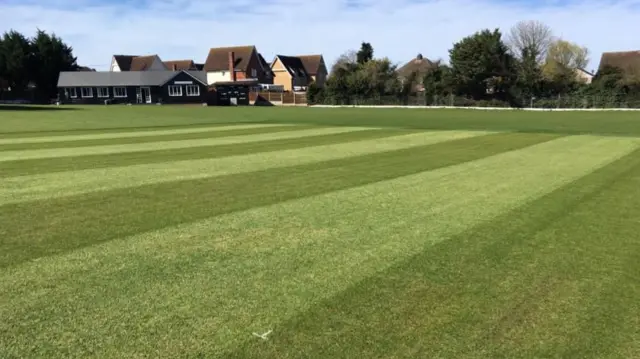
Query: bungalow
x=229, y=64
x=290, y=73
x=179, y=87
x=136, y=63
x=316, y=68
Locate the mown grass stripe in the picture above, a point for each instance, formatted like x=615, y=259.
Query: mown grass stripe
x=171, y=291
x=70, y=131
x=153, y=146
x=58, y=225
x=556, y=277
x=62, y=164
x=131, y=138
x=133, y=134
x=50, y=185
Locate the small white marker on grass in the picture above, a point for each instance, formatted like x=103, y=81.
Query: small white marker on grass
x=263, y=336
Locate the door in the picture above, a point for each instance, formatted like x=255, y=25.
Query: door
x=146, y=94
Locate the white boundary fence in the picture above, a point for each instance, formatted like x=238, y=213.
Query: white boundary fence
x=481, y=108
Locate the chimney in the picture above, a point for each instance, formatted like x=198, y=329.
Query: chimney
x=175, y=67
x=232, y=67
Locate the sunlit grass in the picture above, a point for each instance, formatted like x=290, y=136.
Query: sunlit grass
x=373, y=238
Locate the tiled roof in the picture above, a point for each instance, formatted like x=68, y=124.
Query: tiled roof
x=419, y=65
x=627, y=61
x=180, y=65
x=142, y=63
x=126, y=78
x=265, y=64
x=124, y=61
x=311, y=63
x=294, y=65
x=218, y=58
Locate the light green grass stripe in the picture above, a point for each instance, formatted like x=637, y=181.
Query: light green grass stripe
x=102, y=136
x=26, y=188
x=164, y=145
x=204, y=287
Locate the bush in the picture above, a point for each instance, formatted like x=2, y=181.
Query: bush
x=315, y=94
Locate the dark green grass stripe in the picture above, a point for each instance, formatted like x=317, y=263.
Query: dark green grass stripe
x=61, y=164
x=557, y=277
x=99, y=131
x=157, y=138
x=34, y=229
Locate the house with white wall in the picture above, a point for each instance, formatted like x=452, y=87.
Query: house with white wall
x=136, y=63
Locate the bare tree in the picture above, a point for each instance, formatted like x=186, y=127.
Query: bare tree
x=533, y=36
x=345, y=61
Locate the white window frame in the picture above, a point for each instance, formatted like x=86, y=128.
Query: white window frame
x=72, y=92
x=101, y=94
x=175, y=90
x=193, y=90
x=115, y=92
x=90, y=92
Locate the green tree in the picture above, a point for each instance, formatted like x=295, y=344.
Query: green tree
x=380, y=77
x=50, y=56
x=365, y=54
x=3, y=64
x=337, y=86
x=608, y=79
x=347, y=61
x=438, y=83
x=563, y=59
x=17, y=60
x=530, y=79
x=482, y=65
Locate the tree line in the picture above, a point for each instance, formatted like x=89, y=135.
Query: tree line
x=29, y=66
x=486, y=68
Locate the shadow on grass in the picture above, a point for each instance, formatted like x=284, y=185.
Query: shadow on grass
x=36, y=108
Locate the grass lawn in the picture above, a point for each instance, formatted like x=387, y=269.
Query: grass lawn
x=178, y=232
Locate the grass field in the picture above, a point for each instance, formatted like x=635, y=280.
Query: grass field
x=177, y=232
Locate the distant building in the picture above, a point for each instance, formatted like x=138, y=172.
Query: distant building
x=418, y=66
x=136, y=63
x=584, y=76
x=231, y=64
x=627, y=61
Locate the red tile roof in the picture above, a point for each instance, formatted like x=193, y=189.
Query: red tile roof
x=180, y=65
x=311, y=63
x=218, y=58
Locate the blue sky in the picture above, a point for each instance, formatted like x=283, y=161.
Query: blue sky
x=398, y=29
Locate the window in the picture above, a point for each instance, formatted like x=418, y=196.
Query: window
x=254, y=73
x=103, y=92
x=119, y=92
x=72, y=93
x=193, y=90
x=175, y=90
x=86, y=92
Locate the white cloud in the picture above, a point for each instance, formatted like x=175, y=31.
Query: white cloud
x=399, y=29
